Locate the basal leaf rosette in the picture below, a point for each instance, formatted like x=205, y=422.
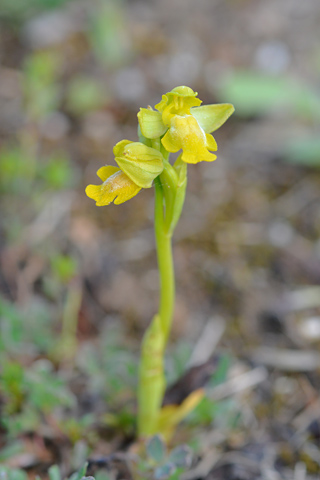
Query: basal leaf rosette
x=139, y=166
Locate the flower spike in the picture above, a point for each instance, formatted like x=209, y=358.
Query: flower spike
x=178, y=123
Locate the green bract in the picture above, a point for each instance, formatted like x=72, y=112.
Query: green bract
x=151, y=123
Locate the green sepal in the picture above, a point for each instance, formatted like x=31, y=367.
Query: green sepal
x=211, y=117
x=146, y=141
x=140, y=163
x=151, y=123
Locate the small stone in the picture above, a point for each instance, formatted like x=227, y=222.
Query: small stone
x=280, y=233
x=49, y=29
x=309, y=328
x=55, y=126
x=272, y=57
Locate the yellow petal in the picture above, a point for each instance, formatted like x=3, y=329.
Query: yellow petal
x=117, y=187
x=185, y=133
x=119, y=147
x=211, y=143
x=106, y=172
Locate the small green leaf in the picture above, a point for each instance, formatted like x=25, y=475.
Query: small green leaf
x=220, y=375
x=164, y=471
x=10, y=451
x=16, y=474
x=181, y=456
x=156, y=449
x=54, y=473
x=80, y=475
x=103, y=475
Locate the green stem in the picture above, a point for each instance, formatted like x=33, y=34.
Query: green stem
x=68, y=344
x=151, y=376
x=165, y=263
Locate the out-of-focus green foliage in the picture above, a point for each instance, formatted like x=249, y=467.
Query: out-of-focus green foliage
x=18, y=10
x=161, y=464
x=108, y=33
x=84, y=94
x=20, y=170
x=155, y=462
x=25, y=330
x=29, y=393
x=177, y=359
x=8, y=473
x=58, y=172
x=206, y=411
x=54, y=473
x=41, y=88
x=17, y=170
x=111, y=366
x=255, y=93
x=64, y=267
x=77, y=429
x=304, y=152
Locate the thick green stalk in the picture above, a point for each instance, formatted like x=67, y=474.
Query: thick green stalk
x=165, y=263
x=151, y=375
x=151, y=379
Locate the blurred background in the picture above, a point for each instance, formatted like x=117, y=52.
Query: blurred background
x=78, y=283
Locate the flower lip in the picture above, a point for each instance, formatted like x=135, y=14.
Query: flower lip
x=185, y=133
x=117, y=187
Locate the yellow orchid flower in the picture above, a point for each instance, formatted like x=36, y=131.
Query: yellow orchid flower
x=153, y=123
x=185, y=124
x=139, y=166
